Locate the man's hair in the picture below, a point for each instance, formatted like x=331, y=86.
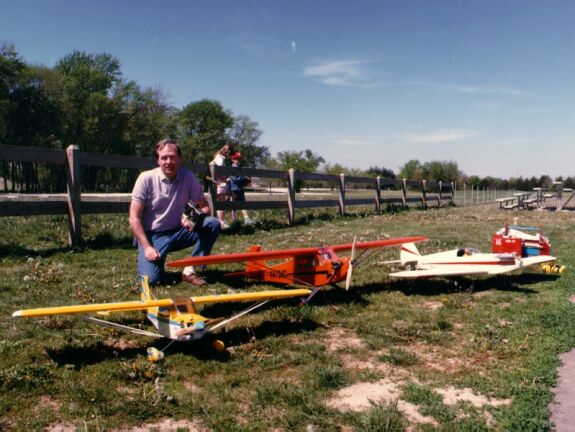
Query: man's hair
x=163, y=143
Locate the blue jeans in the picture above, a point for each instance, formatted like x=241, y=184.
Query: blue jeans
x=174, y=240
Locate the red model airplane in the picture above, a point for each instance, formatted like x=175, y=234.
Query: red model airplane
x=313, y=266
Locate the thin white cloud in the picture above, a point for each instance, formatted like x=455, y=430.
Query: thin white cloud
x=293, y=47
x=354, y=141
x=348, y=73
x=469, y=89
x=442, y=136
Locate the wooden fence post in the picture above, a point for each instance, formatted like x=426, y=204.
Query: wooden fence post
x=378, y=195
x=453, y=190
x=342, y=194
x=212, y=189
x=440, y=194
x=74, y=196
x=404, y=192
x=424, y=192
x=291, y=196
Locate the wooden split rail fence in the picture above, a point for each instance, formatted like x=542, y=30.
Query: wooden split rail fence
x=75, y=203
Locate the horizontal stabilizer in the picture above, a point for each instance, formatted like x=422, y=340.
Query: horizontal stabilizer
x=538, y=259
x=414, y=274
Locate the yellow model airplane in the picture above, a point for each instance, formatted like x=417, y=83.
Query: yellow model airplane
x=176, y=319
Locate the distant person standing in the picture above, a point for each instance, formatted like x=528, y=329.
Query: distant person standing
x=237, y=183
x=168, y=213
x=220, y=159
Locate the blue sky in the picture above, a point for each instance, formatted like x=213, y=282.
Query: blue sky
x=489, y=84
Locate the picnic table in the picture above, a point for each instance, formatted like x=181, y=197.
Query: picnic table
x=521, y=198
x=507, y=203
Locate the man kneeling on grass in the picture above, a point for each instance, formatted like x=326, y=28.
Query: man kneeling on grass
x=163, y=215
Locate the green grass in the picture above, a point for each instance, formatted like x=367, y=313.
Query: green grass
x=285, y=362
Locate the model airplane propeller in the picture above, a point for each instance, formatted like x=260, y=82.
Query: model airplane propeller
x=313, y=267
x=176, y=319
x=351, y=266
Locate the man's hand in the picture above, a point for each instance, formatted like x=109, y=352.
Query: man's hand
x=151, y=253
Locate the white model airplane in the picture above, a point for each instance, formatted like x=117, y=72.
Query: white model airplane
x=461, y=262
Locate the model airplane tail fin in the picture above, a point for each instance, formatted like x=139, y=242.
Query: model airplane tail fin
x=408, y=253
x=145, y=294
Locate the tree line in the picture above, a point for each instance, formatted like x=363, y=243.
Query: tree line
x=85, y=100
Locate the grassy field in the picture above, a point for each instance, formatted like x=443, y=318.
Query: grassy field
x=384, y=356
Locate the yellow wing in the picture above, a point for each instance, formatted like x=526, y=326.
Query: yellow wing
x=143, y=305
x=251, y=296
x=91, y=308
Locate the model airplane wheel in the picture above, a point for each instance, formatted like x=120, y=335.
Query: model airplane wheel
x=218, y=346
x=154, y=355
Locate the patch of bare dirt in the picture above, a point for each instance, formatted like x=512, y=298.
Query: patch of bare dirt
x=430, y=357
x=48, y=402
x=359, y=397
x=349, y=361
x=121, y=343
x=192, y=387
x=64, y=427
x=168, y=425
x=338, y=339
x=432, y=305
x=452, y=396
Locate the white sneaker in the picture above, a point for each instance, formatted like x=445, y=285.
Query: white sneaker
x=248, y=221
x=224, y=225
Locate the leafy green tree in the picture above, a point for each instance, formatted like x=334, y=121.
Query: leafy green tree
x=88, y=79
x=92, y=119
x=300, y=161
x=245, y=132
x=28, y=116
x=202, y=126
x=383, y=172
x=545, y=182
x=11, y=68
x=335, y=169
x=412, y=170
x=147, y=115
x=441, y=171
x=474, y=181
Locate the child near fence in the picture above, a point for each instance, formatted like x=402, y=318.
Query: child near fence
x=237, y=183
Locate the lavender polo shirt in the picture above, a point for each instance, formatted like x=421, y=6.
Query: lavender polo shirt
x=164, y=200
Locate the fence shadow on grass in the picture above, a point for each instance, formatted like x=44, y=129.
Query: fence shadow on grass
x=12, y=249
x=99, y=242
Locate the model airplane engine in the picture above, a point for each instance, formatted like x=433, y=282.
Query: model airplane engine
x=513, y=239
